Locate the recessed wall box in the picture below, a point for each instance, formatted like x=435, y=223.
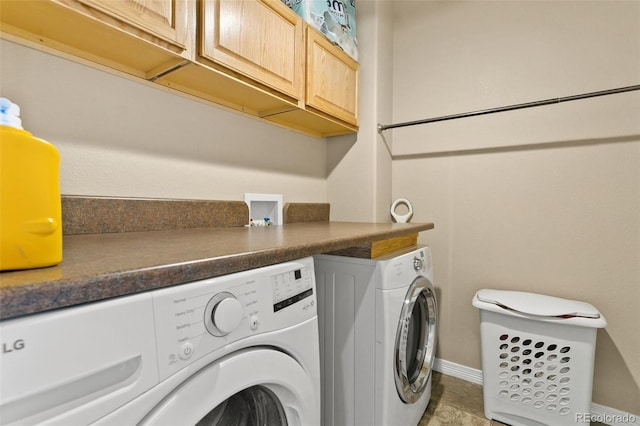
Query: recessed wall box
x=264, y=205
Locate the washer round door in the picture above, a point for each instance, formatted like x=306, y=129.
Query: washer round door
x=249, y=387
x=415, y=346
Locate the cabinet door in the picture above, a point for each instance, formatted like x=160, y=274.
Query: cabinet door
x=261, y=39
x=165, y=19
x=332, y=79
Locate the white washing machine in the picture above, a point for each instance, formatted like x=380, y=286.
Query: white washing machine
x=377, y=337
x=237, y=349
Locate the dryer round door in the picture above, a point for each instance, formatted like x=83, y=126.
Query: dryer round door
x=249, y=387
x=415, y=346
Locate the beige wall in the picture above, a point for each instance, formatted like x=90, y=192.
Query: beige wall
x=359, y=166
x=544, y=200
x=119, y=137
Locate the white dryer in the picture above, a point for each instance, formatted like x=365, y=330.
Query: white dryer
x=236, y=349
x=377, y=337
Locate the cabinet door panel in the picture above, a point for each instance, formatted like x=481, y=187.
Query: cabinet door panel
x=162, y=18
x=261, y=39
x=332, y=79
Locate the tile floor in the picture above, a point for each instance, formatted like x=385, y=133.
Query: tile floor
x=455, y=402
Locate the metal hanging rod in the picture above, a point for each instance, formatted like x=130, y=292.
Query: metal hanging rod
x=383, y=127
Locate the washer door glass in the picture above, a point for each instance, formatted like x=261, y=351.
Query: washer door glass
x=259, y=386
x=255, y=406
x=415, y=340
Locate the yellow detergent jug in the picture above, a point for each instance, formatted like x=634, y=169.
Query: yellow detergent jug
x=30, y=209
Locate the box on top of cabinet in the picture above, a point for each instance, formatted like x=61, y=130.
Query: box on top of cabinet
x=336, y=19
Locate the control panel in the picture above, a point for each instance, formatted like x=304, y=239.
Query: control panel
x=406, y=267
x=198, y=318
x=291, y=287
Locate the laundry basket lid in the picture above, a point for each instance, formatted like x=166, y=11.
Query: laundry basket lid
x=539, y=306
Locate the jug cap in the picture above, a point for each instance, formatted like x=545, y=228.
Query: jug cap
x=10, y=114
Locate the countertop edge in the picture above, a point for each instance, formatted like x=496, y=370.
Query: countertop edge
x=31, y=298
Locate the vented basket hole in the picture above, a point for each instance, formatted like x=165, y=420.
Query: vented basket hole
x=534, y=378
x=536, y=369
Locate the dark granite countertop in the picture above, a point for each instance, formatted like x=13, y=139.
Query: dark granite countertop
x=101, y=266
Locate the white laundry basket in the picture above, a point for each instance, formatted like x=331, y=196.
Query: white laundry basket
x=537, y=357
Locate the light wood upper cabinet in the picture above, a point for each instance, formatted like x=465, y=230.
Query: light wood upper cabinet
x=141, y=38
x=332, y=79
x=257, y=57
x=165, y=19
x=261, y=39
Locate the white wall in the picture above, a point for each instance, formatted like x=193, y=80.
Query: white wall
x=120, y=137
x=544, y=200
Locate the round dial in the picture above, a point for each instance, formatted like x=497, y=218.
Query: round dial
x=418, y=263
x=223, y=314
x=227, y=314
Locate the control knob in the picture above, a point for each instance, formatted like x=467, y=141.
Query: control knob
x=418, y=263
x=222, y=314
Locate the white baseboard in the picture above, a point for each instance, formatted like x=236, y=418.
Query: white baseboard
x=457, y=370
x=613, y=417
x=599, y=413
